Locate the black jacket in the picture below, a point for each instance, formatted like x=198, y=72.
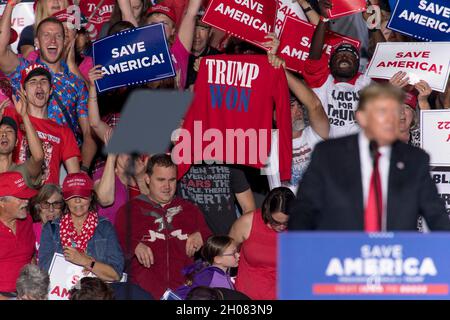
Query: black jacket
x=330, y=196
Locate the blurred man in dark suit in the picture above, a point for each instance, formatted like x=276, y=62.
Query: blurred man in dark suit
x=369, y=181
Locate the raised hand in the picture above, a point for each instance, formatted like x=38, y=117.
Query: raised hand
x=95, y=73
x=3, y=105
x=324, y=5
x=400, y=79
x=272, y=44
x=20, y=104
x=424, y=89
x=276, y=61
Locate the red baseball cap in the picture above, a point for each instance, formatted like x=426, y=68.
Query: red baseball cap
x=410, y=100
x=164, y=9
x=13, y=184
x=62, y=15
x=13, y=36
x=77, y=185
x=33, y=70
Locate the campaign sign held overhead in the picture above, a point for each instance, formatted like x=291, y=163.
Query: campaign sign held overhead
x=423, y=19
x=338, y=265
x=420, y=60
x=133, y=57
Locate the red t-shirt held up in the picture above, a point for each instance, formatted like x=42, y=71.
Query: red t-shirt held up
x=235, y=96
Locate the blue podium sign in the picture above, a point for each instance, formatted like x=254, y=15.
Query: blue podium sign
x=321, y=266
x=132, y=57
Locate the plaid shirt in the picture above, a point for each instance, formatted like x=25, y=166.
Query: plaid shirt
x=70, y=90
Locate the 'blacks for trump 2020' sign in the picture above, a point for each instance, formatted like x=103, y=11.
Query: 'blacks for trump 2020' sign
x=133, y=57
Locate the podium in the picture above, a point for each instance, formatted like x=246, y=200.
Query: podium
x=360, y=266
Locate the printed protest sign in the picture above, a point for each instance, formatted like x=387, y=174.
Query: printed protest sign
x=442, y=181
x=338, y=265
x=422, y=19
x=250, y=20
x=133, y=57
x=63, y=276
x=435, y=136
x=295, y=41
x=342, y=8
x=22, y=16
x=421, y=61
x=288, y=8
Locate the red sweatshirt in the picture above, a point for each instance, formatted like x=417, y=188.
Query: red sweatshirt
x=234, y=96
x=164, y=231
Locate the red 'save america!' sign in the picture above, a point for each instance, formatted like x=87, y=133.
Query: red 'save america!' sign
x=250, y=20
x=295, y=41
x=342, y=8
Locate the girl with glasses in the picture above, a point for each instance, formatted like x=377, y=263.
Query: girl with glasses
x=220, y=254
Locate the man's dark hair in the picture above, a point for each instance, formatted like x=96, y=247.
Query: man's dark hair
x=204, y=293
x=50, y=20
x=379, y=90
x=120, y=26
x=90, y=288
x=39, y=72
x=162, y=159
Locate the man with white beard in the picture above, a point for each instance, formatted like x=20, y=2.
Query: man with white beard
x=308, y=128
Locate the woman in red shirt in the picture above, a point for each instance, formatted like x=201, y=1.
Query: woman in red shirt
x=257, y=232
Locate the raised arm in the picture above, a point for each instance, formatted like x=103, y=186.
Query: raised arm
x=373, y=20
x=311, y=14
x=100, y=127
x=318, y=39
x=127, y=13
x=8, y=59
x=34, y=163
x=105, y=187
x=317, y=116
x=187, y=26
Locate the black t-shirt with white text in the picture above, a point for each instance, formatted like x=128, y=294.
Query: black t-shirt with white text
x=212, y=188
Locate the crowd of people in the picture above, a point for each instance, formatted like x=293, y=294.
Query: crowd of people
x=139, y=232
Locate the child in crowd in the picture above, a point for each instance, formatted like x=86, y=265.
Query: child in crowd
x=219, y=254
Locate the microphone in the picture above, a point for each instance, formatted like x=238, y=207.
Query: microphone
x=373, y=147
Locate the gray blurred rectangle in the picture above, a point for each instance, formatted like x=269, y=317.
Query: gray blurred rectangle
x=147, y=121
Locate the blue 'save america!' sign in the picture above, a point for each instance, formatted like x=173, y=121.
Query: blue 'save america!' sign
x=133, y=57
x=423, y=19
x=363, y=266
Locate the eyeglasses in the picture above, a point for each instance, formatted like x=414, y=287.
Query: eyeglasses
x=42, y=83
x=275, y=223
x=230, y=254
x=55, y=205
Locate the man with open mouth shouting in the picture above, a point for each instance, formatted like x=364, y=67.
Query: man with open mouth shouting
x=58, y=142
x=68, y=102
